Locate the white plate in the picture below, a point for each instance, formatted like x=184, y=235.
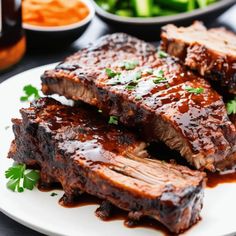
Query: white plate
x=39, y=211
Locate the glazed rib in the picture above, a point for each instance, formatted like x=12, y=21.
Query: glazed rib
x=77, y=148
x=196, y=125
x=210, y=52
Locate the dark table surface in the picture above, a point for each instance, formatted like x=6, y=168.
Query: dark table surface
x=39, y=57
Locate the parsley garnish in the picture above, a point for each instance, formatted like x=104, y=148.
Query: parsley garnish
x=158, y=73
x=231, y=107
x=30, y=92
x=162, y=54
x=159, y=80
x=194, y=90
x=130, y=86
x=53, y=194
x=110, y=73
x=160, y=77
x=113, y=120
x=137, y=75
x=130, y=65
x=21, y=178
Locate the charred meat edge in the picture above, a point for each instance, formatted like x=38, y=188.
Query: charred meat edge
x=47, y=137
x=76, y=79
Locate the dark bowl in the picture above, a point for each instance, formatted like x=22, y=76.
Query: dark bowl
x=149, y=28
x=57, y=36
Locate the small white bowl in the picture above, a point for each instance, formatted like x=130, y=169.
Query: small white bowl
x=57, y=36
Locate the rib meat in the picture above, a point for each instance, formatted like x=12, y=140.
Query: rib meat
x=77, y=148
x=210, y=52
x=163, y=109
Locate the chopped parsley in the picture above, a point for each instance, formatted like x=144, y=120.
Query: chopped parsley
x=231, y=107
x=158, y=73
x=159, y=80
x=53, y=194
x=194, y=90
x=159, y=77
x=21, y=178
x=30, y=92
x=113, y=120
x=110, y=73
x=162, y=54
x=130, y=65
x=130, y=86
x=137, y=75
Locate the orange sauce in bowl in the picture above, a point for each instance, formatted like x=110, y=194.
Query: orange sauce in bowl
x=53, y=12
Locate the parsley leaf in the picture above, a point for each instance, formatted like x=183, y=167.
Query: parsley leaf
x=130, y=86
x=158, y=73
x=113, y=120
x=110, y=73
x=21, y=178
x=159, y=80
x=162, y=54
x=194, y=90
x=31, y=177
x=231, y=107
x=53, y=194
x=137, y=75
x=30, y=92
x=160, y=77
x=130, y=65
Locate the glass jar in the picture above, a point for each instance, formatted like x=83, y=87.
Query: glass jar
x=12, y=39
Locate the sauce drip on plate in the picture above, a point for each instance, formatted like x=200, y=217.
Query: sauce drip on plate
x=215, y=179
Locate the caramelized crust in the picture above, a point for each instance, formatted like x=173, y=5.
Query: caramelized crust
x=76, y=147
x=210, y=52
x=197, y=125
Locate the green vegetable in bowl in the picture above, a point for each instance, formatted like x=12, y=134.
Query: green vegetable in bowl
x=150, y=8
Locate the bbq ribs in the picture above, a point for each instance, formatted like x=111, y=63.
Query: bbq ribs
x=210, y=52
x=158, y=96
x=77, y=148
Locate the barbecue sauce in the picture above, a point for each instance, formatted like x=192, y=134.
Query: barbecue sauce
x=214, y=179
x=115, y=214
x=12, y=40
x=82, y=200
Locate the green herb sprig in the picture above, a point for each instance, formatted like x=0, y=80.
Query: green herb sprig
x=159, y=77
x=30, y=93
x=130, y=65
x=113, y=120
x=198, y=90
x=110, y=73
x=162, y=54
x=136, y=77
x=21, y=178
x=231, y=107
